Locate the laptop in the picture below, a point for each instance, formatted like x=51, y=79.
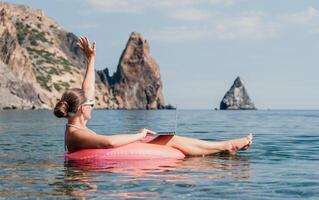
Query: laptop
x=170, y=132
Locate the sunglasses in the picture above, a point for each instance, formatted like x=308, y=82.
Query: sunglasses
x=89, y=103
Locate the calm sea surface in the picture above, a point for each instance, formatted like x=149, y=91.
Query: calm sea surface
x=282, y=163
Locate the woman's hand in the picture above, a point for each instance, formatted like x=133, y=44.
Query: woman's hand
x=145, y=131
x=88, y=49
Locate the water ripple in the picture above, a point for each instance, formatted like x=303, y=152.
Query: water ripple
x=281, y=164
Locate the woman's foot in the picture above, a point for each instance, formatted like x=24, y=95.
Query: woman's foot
x=239, y=144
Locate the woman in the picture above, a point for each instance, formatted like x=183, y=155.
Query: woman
x=76, y=105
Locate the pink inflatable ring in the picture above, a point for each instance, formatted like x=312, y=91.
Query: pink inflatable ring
x=133, y=151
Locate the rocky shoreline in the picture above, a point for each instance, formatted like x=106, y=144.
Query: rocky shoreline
x=39, y=60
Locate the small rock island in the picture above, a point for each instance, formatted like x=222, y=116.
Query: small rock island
x=237, y=98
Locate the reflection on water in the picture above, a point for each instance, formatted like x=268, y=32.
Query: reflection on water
x=281, y=164
x=82, y=178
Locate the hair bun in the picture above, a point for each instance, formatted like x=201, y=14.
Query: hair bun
x=61, y=109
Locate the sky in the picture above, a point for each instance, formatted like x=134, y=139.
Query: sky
x=201, y=46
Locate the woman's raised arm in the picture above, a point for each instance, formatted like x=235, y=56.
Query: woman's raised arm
x=89, y=51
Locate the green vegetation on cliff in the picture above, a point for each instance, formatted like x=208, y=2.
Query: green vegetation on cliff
x=25, y=32
x=46, y=64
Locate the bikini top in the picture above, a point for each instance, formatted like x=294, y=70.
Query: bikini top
x=77, y=127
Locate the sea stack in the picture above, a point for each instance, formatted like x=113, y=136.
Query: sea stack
x=237, y=98
x=137, y=82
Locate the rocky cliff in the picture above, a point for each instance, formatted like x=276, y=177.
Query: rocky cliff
x=137, y=82
x=40, y=60
x=237, y=98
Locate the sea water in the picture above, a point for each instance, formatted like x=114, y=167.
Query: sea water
x=282, y=163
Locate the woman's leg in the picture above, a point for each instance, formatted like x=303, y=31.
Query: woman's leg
x=196, y=147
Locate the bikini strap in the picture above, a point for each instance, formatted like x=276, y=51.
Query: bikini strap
x=80, y=128
x=75, y=126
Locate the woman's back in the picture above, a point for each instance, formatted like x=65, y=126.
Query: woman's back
x=71, y=135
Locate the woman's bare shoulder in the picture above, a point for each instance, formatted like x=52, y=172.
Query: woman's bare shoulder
x=73, y=132
x=84, y=139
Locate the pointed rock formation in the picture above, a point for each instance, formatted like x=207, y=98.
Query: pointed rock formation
x=137, y=82
x=237, y=98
